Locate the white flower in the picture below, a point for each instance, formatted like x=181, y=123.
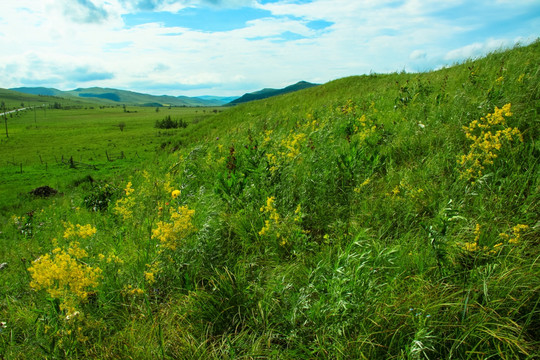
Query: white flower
x=71, y=316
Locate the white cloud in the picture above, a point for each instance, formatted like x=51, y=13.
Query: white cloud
x=477, y=49
x=417, y=54
x=90, y=44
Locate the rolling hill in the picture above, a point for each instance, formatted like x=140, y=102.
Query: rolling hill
x=266, y=93
x=115, y=96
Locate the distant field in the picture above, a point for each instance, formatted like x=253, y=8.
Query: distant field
x=52, y=144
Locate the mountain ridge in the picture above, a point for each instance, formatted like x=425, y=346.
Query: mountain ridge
x=129, y=97
x=269, y=92
x=111, y=95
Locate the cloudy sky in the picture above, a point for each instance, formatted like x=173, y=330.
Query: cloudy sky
x=229, y=47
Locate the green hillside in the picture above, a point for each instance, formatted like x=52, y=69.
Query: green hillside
x=115, y=97
x=373, y=217
x=16, y=100
x=266, y=93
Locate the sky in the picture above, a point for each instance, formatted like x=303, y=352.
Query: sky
x=230, y=47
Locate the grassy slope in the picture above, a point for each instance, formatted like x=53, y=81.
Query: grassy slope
x=317, y=232
x=13, y=100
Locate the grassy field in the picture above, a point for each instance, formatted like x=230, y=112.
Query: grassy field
x=47, y=146
x=374, y=217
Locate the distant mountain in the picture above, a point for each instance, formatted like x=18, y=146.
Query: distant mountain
x=223, y=99
x=266, y=93
x=116, y=96
x=135, y=98
x=38, y=91
x=112, y=96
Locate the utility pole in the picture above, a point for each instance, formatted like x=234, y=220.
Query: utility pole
x=5, y=117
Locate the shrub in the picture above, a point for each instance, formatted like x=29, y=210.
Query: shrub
x=168, y=123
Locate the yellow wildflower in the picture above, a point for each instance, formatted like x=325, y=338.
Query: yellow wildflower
x=487, y=137
x=170, y=234
x=81, y=231
x=470, y=246
x=129, y=190
x=153, y=270
x=130, y=290
x=175, y=194
x=124, y=206
x=62, y=276
x=477, y=233
x=114, y=259
x=149, y=276
x=76, y=251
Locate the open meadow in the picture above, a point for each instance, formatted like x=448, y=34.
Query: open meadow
x=389, y=216
x=47, y=146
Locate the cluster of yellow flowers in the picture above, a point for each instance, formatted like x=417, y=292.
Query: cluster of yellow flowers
x=111, y=259
x=267, y=137
x=153, y=270
x=516, y=234
x=272, y=162
x=63, y=276
x=365, y=183
x=399, y=192
x=167, y=183
x=275, y=225
x=474, y=245
x=124, y=206
x=171, y=233
x=513, y=239
x=78, y=231
x=487, y=135
x=130, y=290
x=293, y=144
x=129, y=190
x=349, y=108
x=273, y=216
x=363, y=128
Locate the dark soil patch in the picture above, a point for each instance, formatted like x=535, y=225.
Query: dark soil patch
x=44, y=191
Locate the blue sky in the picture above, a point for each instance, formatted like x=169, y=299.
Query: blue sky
x=218, y=47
